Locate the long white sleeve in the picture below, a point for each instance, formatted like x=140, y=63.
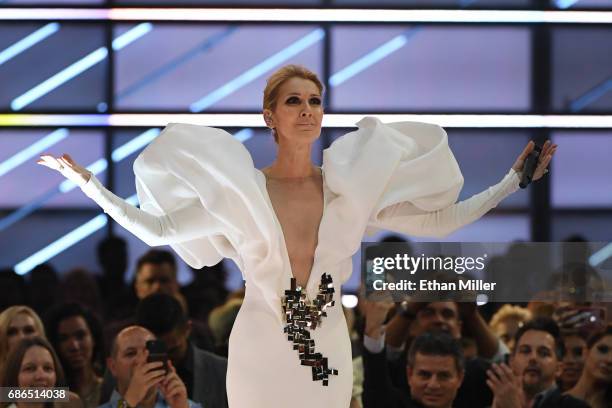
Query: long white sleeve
x=401, y=218
x=189, y=222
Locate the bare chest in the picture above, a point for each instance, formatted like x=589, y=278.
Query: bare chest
x=299, y=208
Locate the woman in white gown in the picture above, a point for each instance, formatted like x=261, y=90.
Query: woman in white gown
x=200, y=193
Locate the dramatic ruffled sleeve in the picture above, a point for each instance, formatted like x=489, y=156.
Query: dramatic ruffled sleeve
x=401, y=177
x=198, y=193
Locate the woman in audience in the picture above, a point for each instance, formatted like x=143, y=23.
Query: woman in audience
x=506, y=322
x=16, y=323
x=595, y=383
x=76, y=335
x=33, y=363
x=573, y=361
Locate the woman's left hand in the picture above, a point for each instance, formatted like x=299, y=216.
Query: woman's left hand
x=548, y=150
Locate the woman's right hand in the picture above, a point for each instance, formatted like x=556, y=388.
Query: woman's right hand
x=67, y=167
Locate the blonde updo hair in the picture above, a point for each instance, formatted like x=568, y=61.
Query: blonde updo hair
x=278, y=78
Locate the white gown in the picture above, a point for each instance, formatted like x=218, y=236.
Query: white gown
x=200, y=193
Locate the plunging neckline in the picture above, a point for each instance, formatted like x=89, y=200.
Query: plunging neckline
x=282, y=233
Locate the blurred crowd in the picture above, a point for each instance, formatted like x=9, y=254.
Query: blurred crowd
x=97, y=335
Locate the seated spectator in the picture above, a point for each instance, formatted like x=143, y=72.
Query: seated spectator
x=573, y=361
x=76, y=334
x=506, y=322
x=141, y=383
x=203, y=373
x=529, y=381
x=17, y=323
x=435, y=368
x=595, y=383
x=33, y=363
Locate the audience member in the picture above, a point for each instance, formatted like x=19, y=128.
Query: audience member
x=202, y=373
x=156, y=273
x=453, y=318
x=17, y=323
x=573, y=361
x=33, y=363
x=529, y=380
x=76, y=335
x=506, y=322
x=595, y=383
x=140, y=383
x=435, y=367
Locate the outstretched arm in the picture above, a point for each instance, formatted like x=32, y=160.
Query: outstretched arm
x=401, y=217
x=189, y=222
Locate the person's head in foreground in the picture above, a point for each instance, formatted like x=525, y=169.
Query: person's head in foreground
x=435, y=369
x=537, y=355
x=293, y=105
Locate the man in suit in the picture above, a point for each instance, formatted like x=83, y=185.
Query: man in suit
x=434, y=368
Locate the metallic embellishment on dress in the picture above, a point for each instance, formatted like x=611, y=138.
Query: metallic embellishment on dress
x=303, y=316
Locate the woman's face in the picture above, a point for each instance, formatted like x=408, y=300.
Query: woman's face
x=75, y=343
x=22, y=326
x=573, y=361
x=599, y=360
x=37, y=368
x=298, y=113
